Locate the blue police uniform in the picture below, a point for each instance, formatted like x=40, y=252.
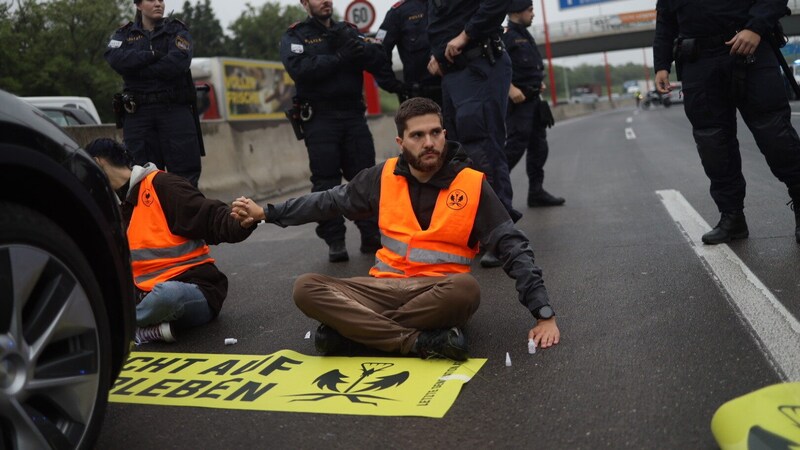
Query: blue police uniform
x=716, y=84
x=155, y=70
x=405, y=26
x=329, y=82
x=475, y=87
x=525, y=130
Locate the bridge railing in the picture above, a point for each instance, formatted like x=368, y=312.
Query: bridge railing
x=589, y=27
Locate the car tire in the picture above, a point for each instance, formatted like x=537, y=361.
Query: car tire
x=55, y=354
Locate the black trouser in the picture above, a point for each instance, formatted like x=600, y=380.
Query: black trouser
x=711, y=103
x=339, y=145
x=525, y=132
x=164, y=134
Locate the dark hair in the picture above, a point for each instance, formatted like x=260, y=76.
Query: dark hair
x=414, y=107
x=110, y=150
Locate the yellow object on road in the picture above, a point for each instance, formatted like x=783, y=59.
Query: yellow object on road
x=767, y=419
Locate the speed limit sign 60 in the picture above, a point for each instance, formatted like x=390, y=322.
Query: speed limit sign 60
x=360, y=13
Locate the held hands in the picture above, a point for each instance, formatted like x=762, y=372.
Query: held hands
x=744, y=43
x=455, y=46
x=662, y=82
x=545, y=333
x=247, y=212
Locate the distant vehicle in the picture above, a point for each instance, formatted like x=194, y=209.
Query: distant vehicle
x=585, y=98
x=83, y=103
x=654, y=98
x=66, y=292
x=66, y=117
x=676, y=94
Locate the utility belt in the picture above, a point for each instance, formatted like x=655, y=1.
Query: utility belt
x=531, y=93
x=689, y=49
x=490, y=48
x=303, y=110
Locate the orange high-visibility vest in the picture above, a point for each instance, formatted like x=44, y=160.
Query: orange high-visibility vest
x=442, y=249
x=157, y=254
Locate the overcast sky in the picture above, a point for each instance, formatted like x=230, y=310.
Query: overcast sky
x=228, y=10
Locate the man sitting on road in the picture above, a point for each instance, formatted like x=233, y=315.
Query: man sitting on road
x=433, y=212
x=169, y=225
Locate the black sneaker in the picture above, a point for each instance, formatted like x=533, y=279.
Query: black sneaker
x=447, y=343
x=329, y=342
x=337, y=252
x=370, y=244
x=731, y=226
x=544, y=198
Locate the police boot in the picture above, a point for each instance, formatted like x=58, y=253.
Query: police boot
x=337, y=252
x=794, y=204
x=543, y=198
x=731, y=226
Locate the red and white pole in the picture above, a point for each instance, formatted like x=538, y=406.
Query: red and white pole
x=549, y=53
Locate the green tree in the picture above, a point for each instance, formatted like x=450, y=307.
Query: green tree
x=208, y=38
x=258, y=31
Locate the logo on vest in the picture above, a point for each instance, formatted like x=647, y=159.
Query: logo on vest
x=457, y=199
x=147, y=197
x=361, y=390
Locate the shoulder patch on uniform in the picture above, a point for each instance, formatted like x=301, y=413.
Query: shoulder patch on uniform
x=182, y=43
x=380, y=35
x=114, y=43
x=297, y=48
x=397, y=5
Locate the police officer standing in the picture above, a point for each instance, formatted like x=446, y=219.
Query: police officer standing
x=326, y=58
x=468, y=54
x=153, y=55
x=725, y=61
x=526, y=124
x=405, y=26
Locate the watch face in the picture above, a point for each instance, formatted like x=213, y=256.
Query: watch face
x=545, y=312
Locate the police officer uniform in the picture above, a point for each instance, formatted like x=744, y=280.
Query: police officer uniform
x=475, y=87
x=326, y=65
x=526, y=129
x=405, y=26
x=159, y=125
x=716, y=84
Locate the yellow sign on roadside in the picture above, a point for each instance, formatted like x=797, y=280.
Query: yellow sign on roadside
x=293, y=382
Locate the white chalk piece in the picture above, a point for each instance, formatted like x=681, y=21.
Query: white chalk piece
x=230, y=341
x=308, y=335
x=531, y=346
x=508, y=360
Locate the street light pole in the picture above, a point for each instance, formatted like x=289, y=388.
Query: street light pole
x=549, y=53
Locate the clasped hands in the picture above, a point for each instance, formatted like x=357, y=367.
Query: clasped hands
x=247, y=212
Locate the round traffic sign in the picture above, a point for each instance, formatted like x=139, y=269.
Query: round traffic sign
x=360, y=13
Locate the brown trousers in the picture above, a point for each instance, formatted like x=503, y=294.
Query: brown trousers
x=387, y=313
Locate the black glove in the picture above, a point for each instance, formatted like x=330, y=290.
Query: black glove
x=546, y=118
x=351, y=51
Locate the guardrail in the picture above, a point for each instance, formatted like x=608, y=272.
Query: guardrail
x=589, y=27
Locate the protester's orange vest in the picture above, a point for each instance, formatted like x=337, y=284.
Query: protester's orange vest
x=157, y=254
x=442, y=249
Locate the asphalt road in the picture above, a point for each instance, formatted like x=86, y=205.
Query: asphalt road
x=651, y=343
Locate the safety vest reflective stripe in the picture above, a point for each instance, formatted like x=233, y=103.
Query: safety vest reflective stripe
x=401, y=248
x=434, y=257
x=146, y=254
x=383, y=267
x=149, y=276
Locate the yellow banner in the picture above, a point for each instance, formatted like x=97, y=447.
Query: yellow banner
x=293, y=382
x=256, y=90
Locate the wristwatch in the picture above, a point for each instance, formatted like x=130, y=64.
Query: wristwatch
x=543, y=312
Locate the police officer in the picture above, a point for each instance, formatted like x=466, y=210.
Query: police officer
x=153, y=55
x=325, y=58
x=526, y=126
x=468, y=54
x=725, y=61
x=405, y=26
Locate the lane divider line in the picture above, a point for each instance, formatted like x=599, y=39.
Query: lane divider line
x=629, y=134
x=772, y=325
x=628, y=119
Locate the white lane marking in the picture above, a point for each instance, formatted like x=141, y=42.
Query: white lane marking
x=629, y=120
x=773, y=325
x=635, y=112
x=629, y=134
x=796, y=113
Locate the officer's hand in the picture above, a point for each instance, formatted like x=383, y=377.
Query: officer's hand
x=515, y=94
x=543, y=87
x=351, y=51
x=545, y=333
x=434, y=68
x=455, y=46
x=662, y=82
x=744, y=43
x=247, y=212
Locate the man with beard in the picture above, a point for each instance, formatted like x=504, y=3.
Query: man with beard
x=433, y=213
